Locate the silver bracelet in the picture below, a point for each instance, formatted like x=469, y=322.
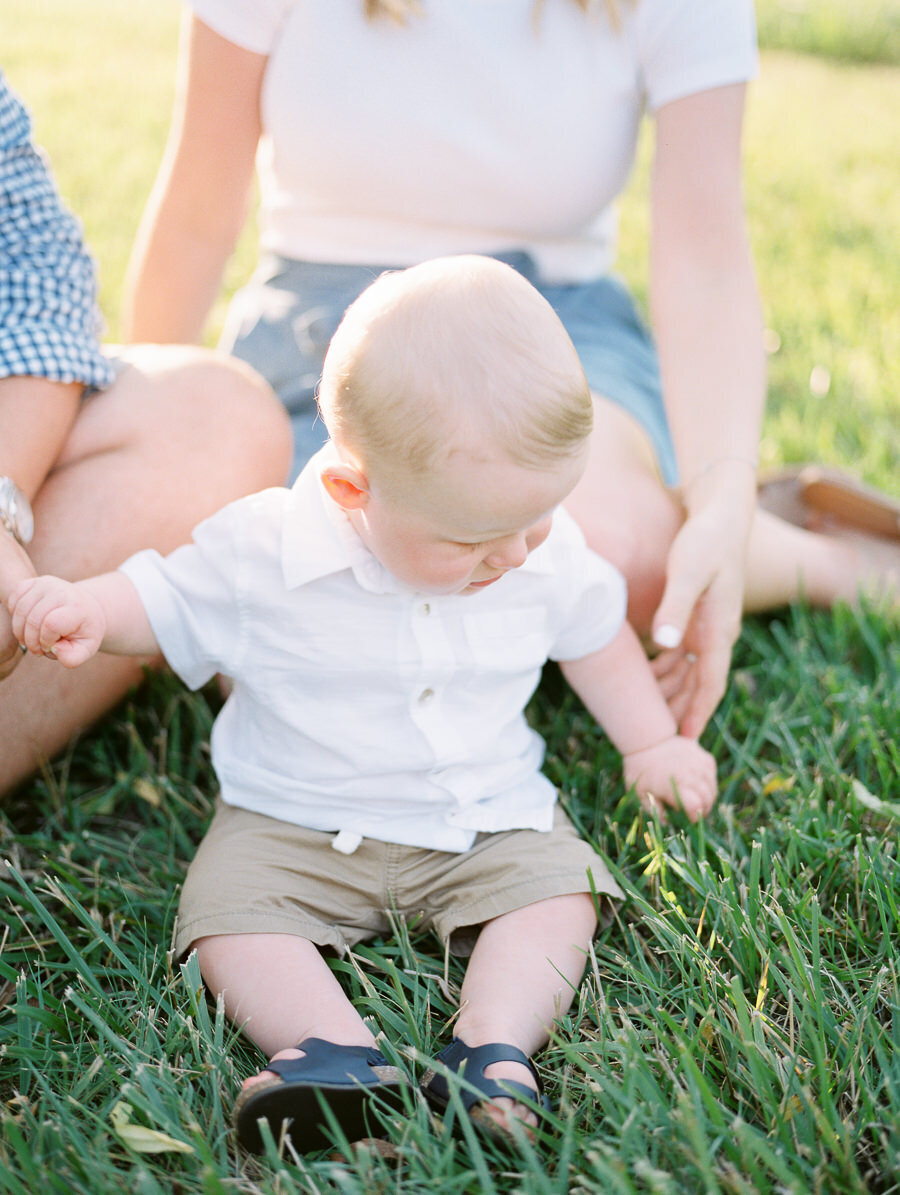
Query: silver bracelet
x=15, y=512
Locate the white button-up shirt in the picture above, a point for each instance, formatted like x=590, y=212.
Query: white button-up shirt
x=359, y=706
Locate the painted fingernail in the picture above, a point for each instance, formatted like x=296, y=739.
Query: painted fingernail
x=667, y=636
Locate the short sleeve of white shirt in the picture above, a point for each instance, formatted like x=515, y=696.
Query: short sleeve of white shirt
x=595, y=594
x=193, y=596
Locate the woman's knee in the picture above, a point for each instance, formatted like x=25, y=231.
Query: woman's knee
x=191, y=407
x=221, y=407
x=630, y=519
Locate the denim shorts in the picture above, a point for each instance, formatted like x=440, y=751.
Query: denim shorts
x=282, y=321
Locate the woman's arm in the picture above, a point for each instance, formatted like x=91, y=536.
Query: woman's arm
x=36, y=416
x=201, y=196
x=708, y=327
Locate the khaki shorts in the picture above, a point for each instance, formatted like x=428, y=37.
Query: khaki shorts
x=257, y=875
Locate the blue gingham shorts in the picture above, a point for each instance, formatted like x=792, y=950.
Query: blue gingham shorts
x=282, y=322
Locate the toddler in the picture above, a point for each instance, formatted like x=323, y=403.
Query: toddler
x=385, y=621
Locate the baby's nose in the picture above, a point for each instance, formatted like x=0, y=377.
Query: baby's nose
x=508, y=553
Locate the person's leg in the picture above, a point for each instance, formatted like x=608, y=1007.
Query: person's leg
x=281, y=991
x=180, y=433
x=323, y=1062
x=629, y=517
x=624, y=510
x=523, y=974
x=786, y=563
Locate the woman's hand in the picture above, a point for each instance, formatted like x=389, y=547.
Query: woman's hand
x=15, y=567
x=699, y=617
x=10, y=654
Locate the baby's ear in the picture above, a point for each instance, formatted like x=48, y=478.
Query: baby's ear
x=346, y=486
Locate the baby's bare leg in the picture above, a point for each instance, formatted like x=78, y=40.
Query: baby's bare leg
x=523, y=974
x=280, y=990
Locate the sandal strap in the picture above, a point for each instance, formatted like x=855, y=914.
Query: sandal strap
x=325, y=1062
x=470, y=1063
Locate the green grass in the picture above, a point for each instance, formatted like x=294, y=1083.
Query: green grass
x=739, y=1024
x=857, y=31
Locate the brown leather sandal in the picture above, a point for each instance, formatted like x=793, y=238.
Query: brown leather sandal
x=820, y=497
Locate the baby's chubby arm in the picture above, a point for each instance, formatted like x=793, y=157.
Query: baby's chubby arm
x=72, y=621
x=619, y=689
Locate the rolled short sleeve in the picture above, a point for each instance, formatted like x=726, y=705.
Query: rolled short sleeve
x=251, y=24
x=686, y=46
x=49, y=319
x=192, y=600
x=596, y=596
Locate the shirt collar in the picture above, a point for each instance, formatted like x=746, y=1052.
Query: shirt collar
x=317, y=538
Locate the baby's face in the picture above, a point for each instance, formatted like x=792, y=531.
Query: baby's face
x=468, y=523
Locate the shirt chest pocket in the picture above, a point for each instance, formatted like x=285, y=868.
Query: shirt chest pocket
x=508, y=641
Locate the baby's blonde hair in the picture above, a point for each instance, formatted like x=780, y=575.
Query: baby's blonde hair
x=454, y=352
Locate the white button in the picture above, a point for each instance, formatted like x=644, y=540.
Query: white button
x=425, y=609
x=425, y=696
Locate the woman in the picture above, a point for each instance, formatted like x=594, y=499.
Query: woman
x=391, y=131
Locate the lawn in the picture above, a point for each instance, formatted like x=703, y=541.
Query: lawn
x=738, y=1028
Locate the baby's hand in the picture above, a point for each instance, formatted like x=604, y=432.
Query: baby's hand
x=676, y=772
x=55, y=618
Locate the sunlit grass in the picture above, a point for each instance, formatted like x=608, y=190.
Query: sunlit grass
x=850, y=30
x=739, y=1025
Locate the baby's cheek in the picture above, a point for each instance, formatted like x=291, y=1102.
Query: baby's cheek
x=538, y=534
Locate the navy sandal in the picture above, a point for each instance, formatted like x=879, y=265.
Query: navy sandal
x=351, y=1081
x=470, y=1063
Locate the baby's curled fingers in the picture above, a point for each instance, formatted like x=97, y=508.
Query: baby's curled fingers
x=46, y=613
x=690, y=799
x=697, y=800
x=677, y=772
x=21, y=603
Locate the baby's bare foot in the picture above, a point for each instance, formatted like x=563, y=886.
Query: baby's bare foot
x=504, y=1113
x=265, y=1075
